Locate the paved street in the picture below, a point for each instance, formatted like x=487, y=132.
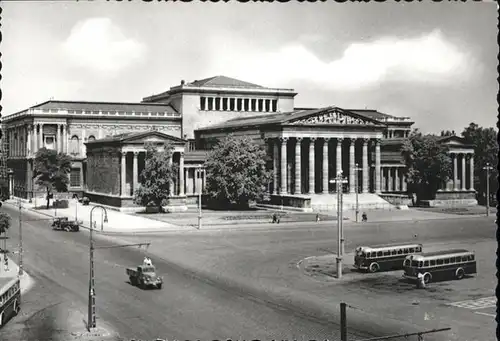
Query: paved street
x=245, y=284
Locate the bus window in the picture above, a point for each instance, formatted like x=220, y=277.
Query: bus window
x=414, y=263
x=418, y=249
x=446, y=261
x=439, y=262
x=379, y=254
x=471, y=257
x=412, y=250
x=420, y=264
x=452, y=260
x=400, y=252
x=426, y=263
x=464, y=258
x=433, y=262
x=458, y=259
x=394, y=252
x=406, y=250
x=374, y=254
x=387, y=253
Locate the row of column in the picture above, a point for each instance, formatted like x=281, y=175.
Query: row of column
x=135, y=173
x=238, y=104
x=394, y=179
x=281, y=164
x=30, y=139
x=464, y=157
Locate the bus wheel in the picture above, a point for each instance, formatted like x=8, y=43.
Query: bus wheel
x=427, y=278
x=374, y=267
x=16, y=308
x=460, y=273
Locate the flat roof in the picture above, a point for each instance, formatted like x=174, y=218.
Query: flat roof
x=444, y=252
x=389, y=246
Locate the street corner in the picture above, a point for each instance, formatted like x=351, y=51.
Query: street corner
x=27, y=282
x=324, y=268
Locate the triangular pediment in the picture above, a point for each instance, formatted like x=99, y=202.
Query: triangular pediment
x=332, y=116
x=151, y=136
x=454, y=141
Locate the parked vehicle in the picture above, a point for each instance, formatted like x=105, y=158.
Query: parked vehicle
x=441, y=265
x=10, y=298
x=144, y=277
x=63, y=224
x=384, y=257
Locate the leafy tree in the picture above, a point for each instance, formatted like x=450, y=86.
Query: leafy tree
x=51, y=171
x=447, y=133
x=5, y=222
x=236, y=171
x=485, y=145
x=156, y=177
x=428, y=164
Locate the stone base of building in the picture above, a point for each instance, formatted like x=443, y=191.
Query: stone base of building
x=396, y=199
x=301, y=203
x=176, y=204
x=452, y=199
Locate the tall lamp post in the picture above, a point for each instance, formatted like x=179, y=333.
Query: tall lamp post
x=199, y=172
x=356, y=186
x=91, y=319
x=487, y=168
x=339, y=181
x=21, y=271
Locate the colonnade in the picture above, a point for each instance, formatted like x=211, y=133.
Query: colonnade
x=26, y=140
x=281, y=175
x=238, y=104
x=460, y=184
x=393, y=179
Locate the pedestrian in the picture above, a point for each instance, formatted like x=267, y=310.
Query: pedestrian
x=364, y=216
x=420, y=281
x=275, y=218
x=317, y=217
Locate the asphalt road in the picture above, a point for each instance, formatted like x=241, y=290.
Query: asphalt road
x=218, y=284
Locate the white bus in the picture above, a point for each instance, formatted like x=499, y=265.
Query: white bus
x=441, y=265
x=10, y=298
x=384, y=257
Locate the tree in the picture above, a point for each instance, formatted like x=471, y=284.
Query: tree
x=156, y=177
x=428, y=164
x=5, y=222
x=485, y=145
x=236, y=171
x=51, y=171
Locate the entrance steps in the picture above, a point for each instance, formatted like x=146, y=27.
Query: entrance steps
x=366, y=201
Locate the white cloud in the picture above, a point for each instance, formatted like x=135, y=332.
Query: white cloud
x=429, y=58
x=99, y=45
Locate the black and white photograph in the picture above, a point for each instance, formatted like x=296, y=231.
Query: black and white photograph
x=248, y=170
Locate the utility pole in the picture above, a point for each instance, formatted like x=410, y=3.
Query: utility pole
x=487, y=168
x=343, y=322
x=339, y=180
x=200, y=190
x=356, y=170
x=21, y=271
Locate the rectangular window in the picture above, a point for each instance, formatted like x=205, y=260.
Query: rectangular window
x=74, y=177
x=418, y=249
x=393, y=252
x=426, y=263
x=379, y=254
x=412, y=250
x=471, y=257
x=439, y=262
x=387, y=253
x=406, y=250
x=446, y=261
x=202, y=103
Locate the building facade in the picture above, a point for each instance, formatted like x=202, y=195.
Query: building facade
x=307, y=147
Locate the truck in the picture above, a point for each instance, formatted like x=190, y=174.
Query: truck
x=144, y=277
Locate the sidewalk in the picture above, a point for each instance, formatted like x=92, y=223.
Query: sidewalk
x=26, y=281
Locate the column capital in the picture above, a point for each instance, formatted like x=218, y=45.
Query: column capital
x=182, y=153
x=299, y=139
x=313, y=139
x=123, y=153
x=135, y=153
x=340, y=139
x=352, y=140
x=283, y=139
x=326, y=139
x=365, y=141
x=377, y=141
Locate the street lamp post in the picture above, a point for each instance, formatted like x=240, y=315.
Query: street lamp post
x=487, y=168
x=339, y=181
x=199, y=172
x=356, y=185
x=91, y=318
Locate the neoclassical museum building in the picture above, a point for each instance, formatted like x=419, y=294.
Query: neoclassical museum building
x=307, y=147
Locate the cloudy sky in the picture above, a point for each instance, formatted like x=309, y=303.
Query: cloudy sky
x=434, y=62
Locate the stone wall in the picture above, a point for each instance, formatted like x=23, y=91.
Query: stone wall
x=103, y=170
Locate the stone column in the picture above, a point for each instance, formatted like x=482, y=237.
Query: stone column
x=171, y=183
x=28, y=143
x=83, y=149
x=275, y=166
x=352, y=165
x=65, y=139
x=463, y=172
x=40, y=136
x=471, y=169
x=59, y=139
x=135, y=172
x=403, y=182
x=377, y=166
x=325, y=165
x=338, y=167
x=181, y=174
x=365, y=166
x=312, y=159
x=298, y=170
x=455, y=175
x=396, y=179
x=283, y=168
x=384, y=179
x=123, y=173
x=389, y=179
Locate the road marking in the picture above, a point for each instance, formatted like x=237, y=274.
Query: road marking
x=478, y=312
x=485, y=302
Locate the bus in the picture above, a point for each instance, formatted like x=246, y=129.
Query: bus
x=10, y=298
x=384, y=257
x=441, y=265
